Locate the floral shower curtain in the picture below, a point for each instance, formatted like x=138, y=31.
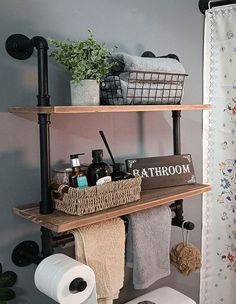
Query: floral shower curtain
x=218, y=275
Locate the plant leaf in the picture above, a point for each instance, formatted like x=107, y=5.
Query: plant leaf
x=87, y=59
x=8, y=279
x=6, y=294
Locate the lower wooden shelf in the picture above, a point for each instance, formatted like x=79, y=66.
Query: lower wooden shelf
x=61, y=222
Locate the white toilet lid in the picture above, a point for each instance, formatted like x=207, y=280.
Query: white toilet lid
x=163, y=295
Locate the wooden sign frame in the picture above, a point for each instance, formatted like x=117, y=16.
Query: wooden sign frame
x=163, y=171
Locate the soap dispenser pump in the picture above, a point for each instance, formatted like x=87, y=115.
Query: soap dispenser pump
x=98, y=170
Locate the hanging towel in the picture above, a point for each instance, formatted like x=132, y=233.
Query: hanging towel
x=148, y=245
x=102, y=247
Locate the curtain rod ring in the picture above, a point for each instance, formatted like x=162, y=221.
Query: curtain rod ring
x=209, y=6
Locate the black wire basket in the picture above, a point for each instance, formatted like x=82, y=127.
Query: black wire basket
x=139, y=87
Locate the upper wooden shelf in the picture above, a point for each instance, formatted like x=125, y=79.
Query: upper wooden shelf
x=62, y=222
x=105, y=109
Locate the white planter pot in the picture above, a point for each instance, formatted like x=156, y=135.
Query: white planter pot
x=86, y=93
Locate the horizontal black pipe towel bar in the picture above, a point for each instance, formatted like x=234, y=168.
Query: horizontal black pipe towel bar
x=205, y=4
x=178, y=220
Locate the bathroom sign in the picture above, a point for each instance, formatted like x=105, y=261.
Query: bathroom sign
x=163, y=171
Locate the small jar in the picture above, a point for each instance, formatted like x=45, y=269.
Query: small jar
x=118, y=174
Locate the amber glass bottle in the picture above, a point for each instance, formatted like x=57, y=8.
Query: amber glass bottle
x=77, y=177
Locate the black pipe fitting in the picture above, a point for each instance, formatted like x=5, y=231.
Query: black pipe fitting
x=26, y=253
x=21, y=47
x=178, y=219
x=40, y=42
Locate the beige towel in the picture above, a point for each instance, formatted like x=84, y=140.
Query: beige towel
x=102, y=247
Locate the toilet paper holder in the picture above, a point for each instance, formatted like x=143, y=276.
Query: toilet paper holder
x=27, y=253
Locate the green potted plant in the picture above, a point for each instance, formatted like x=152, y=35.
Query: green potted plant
x=88, y=62
x=7, y=280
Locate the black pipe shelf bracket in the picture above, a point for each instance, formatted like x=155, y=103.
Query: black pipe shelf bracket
x=21, y=47
x=177, y=206
x=208, y=4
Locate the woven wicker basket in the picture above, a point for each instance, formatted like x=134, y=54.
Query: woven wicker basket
x=92, y=199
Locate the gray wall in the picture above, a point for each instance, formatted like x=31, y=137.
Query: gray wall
x=133, y=25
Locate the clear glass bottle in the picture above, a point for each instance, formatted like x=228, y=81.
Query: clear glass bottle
x=98, y=169
x=77, y=177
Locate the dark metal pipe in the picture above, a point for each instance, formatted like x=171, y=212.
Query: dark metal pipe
x=176, y=115
x=46, y=205
x=41, y=45
x=177, y=206
x=47, y=245
x=62, y=240
x=204, y=4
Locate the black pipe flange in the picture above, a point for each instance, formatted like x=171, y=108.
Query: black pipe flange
x=19, y=46
x=26, y=253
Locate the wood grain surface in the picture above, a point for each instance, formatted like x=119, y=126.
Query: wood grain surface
x=61, y=222
x=106, y=109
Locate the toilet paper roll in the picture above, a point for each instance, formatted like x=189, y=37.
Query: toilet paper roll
x=56, y=275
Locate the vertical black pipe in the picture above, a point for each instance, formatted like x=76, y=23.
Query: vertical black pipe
x=178, y=205
x=44, y=121
x=176, y=115
x=47, y=242
x=42, y=49
x=44, y=136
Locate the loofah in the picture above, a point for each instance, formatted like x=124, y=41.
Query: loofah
x=186, y=258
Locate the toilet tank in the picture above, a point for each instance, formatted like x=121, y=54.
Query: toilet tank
x=163, y=295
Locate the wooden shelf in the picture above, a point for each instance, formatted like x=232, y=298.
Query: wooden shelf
x=105, y=109
x=61, y=222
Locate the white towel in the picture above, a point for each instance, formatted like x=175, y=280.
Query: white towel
x=148, y=245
